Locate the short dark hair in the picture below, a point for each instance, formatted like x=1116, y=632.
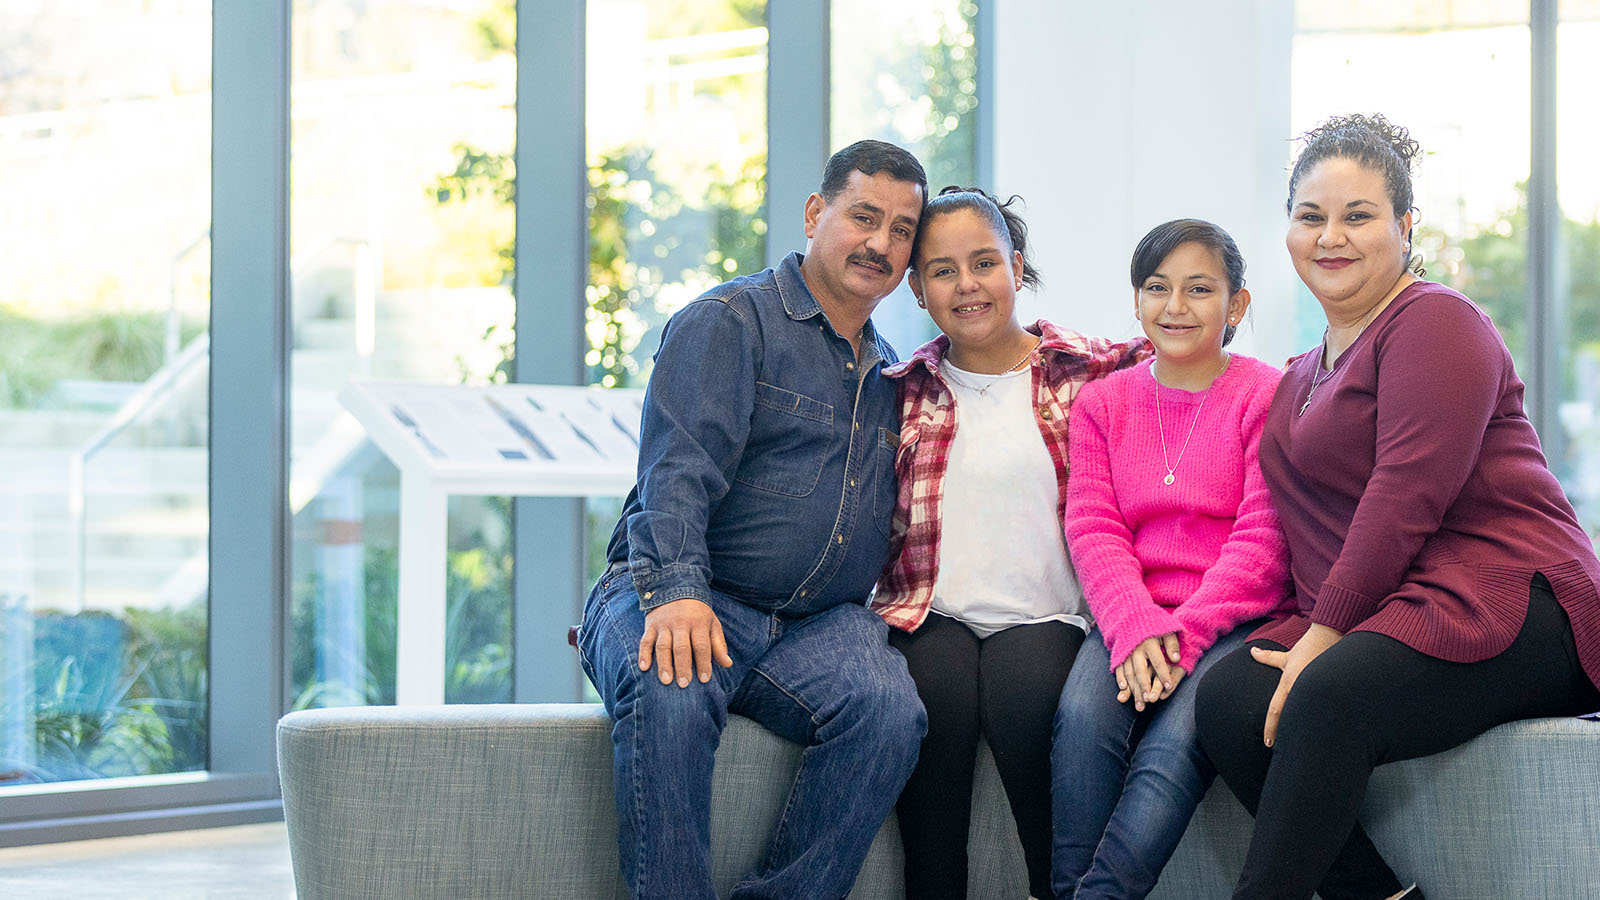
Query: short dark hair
x=1373, y=142
x=870, y=158
x=1003, y=221
x=1169, y=236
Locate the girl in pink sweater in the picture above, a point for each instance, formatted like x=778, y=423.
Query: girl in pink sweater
x=1176, y=544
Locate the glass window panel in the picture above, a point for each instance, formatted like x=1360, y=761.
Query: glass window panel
x=676, y=131
x=1471, y=186
x=906, y=71
x=676, y=122
x=1576, y=455
x=105, y=166
x=403, y=122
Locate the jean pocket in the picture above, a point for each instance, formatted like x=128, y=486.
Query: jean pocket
x=607, y=585
x=791, y=436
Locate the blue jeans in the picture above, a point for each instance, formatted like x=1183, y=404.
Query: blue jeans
x=829, y=682
x=1124, y=784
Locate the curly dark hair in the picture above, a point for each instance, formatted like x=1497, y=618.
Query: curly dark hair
x=1373, y=141
x=1005, y=221
x=1378, y=145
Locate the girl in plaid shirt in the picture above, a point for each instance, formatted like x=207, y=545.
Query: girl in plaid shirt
x=979, y=590
x=1177, y=544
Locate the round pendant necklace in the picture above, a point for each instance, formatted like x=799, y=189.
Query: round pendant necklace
x=1172, y=467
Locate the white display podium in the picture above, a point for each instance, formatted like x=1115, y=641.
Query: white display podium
x=499, y=439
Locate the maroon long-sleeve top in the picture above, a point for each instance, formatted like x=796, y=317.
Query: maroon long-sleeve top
x=1413, y=492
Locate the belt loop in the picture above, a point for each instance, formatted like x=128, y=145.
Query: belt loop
x=611, y=571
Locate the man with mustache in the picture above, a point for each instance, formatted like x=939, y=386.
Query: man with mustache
x=746, y=551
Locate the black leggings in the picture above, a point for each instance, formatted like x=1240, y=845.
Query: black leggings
x=1366, y=701
x=1004, y=687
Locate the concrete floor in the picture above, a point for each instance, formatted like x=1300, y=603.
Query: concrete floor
x=245, y=862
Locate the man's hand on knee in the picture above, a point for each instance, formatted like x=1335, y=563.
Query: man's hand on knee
x=680, y=637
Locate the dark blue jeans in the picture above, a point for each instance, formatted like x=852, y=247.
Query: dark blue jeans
x=1124, y=784
x=829, y=682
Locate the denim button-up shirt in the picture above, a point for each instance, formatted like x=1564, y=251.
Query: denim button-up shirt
x=766, y=460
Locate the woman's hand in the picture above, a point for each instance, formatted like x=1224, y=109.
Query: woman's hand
x=1292, y=662
x=1150, y=672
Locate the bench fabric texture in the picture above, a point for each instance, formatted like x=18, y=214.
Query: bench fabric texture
x=514, y=802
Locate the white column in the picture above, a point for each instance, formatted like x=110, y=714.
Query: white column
x=420, y=639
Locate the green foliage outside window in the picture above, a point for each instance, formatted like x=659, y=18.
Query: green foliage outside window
x=113, y=695
x=949, y=67
x=1490, y=266
x=37, y=354
x=643, y=235
x=477, y=626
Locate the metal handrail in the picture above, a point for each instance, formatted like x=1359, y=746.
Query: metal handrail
x=155, y=389
x=173, y=336
x=164, y=381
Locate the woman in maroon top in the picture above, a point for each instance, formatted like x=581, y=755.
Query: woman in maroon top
x=1444, y=583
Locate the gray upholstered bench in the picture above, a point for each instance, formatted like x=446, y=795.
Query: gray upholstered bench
x=501, y=802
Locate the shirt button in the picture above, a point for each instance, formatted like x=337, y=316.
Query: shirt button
x=852, y=482
x=1044, y=413
x=838, y=539
x=802, y=593
x=647, y=594
x=850, y=367
x=858, y=426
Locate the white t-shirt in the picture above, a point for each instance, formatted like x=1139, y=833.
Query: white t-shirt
x=1002, y=554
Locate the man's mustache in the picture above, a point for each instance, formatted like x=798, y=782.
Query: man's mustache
x=875, y=259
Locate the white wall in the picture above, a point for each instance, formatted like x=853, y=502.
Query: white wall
x=1111, y=118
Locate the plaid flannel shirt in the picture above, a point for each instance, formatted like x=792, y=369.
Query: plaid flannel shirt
x=1063, y=362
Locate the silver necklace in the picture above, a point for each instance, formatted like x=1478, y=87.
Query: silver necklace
x=996, y=377
x=1172, y=467
x=1317, y=377
x=1321, y=375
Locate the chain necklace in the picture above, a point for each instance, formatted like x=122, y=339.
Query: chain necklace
x=1172, y=467
x=1321, y=375
x=996, y=377
x=1318, y=376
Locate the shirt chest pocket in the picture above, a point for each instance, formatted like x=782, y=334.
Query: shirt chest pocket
x=883, y=466
x=791, y=436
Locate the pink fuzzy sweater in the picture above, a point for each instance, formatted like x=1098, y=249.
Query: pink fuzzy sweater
x=1198, y=557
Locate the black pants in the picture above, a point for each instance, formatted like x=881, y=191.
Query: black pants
x=1004, y=687
x=1366, y=701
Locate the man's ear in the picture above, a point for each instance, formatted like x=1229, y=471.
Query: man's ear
x=814, y=207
